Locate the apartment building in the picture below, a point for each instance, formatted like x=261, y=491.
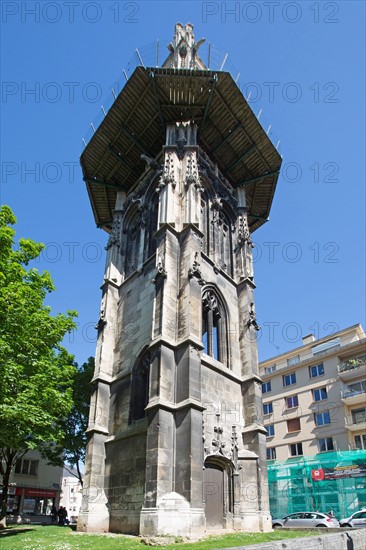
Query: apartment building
x=35, y=487
x=71, y=495
x=314, y=411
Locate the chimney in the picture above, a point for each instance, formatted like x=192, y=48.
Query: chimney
x=308, y=339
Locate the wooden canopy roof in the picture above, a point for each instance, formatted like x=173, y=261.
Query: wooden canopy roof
x=228, y=131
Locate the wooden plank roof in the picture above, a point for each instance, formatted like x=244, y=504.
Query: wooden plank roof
x=228, y=131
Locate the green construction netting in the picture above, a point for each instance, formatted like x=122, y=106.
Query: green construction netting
x=333, y=480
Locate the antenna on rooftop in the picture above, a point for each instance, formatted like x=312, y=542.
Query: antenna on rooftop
x=224, y=61
x=140, y=58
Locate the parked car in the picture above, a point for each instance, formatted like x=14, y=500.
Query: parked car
x=306, y=519
x=358, y=519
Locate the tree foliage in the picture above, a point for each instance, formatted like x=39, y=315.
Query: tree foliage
x=71, y=449
x=36, y=372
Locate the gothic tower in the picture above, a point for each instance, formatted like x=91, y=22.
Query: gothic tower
x=179, y=173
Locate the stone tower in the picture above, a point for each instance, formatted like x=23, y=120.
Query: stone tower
x=179, y=173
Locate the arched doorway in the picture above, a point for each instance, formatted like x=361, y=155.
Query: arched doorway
x=217, y=492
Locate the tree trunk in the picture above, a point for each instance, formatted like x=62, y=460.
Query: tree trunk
x=80, y=475
x=9, y=463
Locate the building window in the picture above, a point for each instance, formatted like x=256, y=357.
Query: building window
x=272, y=368
x=221, y=231
x=358, y=416
x=267, y=408
x=266, y=387
x=360, y=441
x=270, y=430
x=296, y=449
x=289, y=379
x=292, y=402
x=140, y=389
x=27, y=467
x=320, y=394
x=271, y=453
x=214, y=327
x=293, y=425
x=293, y=360
x=323, y=418
x=325, y=444
x=316, y=370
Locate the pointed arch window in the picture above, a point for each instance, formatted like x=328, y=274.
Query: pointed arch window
x=223, y=242
x=152, y=225
x=132, y=230
x=140, y=389
x=214, y=327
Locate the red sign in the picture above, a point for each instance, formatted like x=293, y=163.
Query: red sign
x=317, y=475
x=40, y=493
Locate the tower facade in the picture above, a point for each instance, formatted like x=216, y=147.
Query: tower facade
x=180, y=173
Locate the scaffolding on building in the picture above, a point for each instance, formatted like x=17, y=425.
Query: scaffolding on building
x=327, y=481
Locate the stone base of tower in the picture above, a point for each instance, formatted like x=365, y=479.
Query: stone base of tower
x=172, y=516
x=95, y=519
x=255, y=521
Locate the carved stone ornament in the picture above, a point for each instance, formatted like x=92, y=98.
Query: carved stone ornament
x=195, y=270
x=167, y=176
x=114, y=237
x=218, y=446
x=181, y=140
x=192, y=177
x=142, y=188
x=209, y=302
x=150, y=161
x=184, y=48
x=161, y=272
x=101, y=321
x=243, y=231
x=252, y=321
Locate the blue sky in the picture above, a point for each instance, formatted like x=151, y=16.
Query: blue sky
x=304, y=65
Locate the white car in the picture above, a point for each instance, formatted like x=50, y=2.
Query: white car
x=358, y=519
x=305, y=519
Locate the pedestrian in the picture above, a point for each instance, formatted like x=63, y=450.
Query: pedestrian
x=61, y=517
x=54, y=514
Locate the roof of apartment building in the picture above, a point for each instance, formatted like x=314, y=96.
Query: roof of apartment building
x=319, y=347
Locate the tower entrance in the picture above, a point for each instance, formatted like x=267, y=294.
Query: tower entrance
x=213, y=496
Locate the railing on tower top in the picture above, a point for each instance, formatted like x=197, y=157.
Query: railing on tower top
x=154, y=55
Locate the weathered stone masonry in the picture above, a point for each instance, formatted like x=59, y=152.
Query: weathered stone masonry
x=176, y=441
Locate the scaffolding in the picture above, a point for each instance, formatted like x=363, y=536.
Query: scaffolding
x=333, y=480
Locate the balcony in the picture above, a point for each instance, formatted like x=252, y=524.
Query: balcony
x=357, y=421
x=352, y=368
x=355, y=394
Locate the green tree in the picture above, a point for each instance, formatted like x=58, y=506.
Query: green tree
x=36, y=372
x=71, y=450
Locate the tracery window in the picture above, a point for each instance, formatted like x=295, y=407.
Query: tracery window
x=132, y=231
x=216, y=225
x=214, y=327
x=140, y=389
x=151, y=224
x=139, y=230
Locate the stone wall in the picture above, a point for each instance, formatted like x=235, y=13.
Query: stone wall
x=349, y=540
